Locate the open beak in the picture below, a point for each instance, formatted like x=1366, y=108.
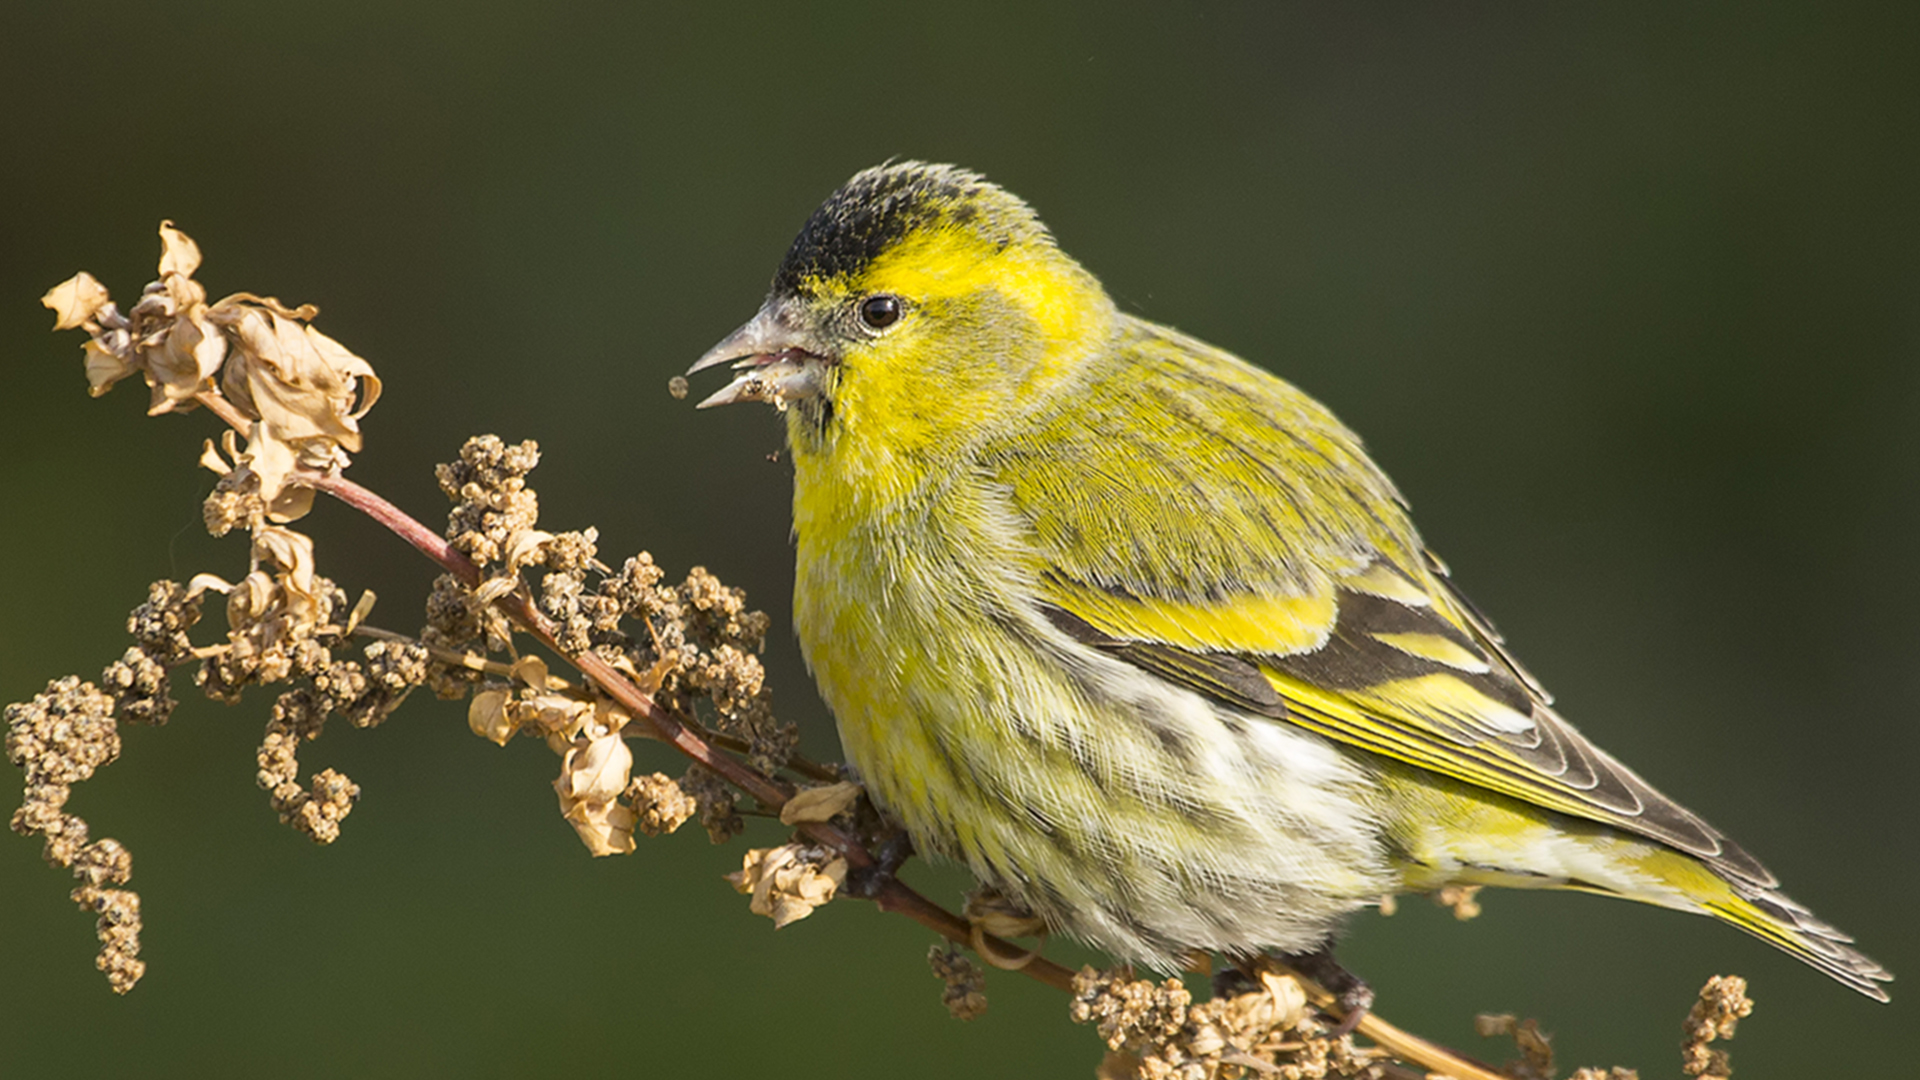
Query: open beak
x=778, y=362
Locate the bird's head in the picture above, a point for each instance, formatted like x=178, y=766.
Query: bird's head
x=913, y=299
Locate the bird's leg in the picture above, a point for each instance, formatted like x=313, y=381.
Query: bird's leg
x=1351, y=993
x=1234, y=980
x=892, y=852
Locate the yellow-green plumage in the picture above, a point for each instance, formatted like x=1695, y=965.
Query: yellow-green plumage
x=1138, y=632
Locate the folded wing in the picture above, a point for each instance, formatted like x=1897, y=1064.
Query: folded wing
x=1238, y=541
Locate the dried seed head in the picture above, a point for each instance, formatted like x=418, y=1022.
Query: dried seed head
x=140, y=688
x=658, y=804
x=1155, y=1031
x=965, y=995
x=62, y=735
x=118, y=929
x=1723, y=1003
x=160, y=625
x=58, y=739
x=489, y=491
x=279, y=618
x=716, y=802
x=391, y=672
x=234, y=502
x=1129, y=1012
x=1463, y=899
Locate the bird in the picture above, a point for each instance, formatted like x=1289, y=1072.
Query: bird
x=1139, y=633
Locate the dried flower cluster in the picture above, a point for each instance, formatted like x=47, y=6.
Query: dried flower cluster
x=965, y=995
x=284, y=623
x=278, y=630
x=1153, y=1031
x=303, y=391
x=789, y=881
x=1463, y=899
x=300, y=395
x=1723, y=1003
x=1535, y=1046
x=699, y=641
x=659, y=805
x=58, y=739
x=67, y=733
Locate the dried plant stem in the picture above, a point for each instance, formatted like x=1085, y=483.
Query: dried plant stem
x=1401, y=1044
x=472, y=661
x=219, y=406
x=1410, y=1047
x=812, y=770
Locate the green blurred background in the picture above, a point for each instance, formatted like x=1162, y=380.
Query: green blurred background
x=1627, y=298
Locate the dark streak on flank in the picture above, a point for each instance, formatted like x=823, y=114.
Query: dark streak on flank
x=1204, y=816
x=1084, y=759
x=963, y=776
x=1063, y=842
x=1120, y=916
x=1175, y=743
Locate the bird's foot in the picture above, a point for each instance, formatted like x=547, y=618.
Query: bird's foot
x=1232, y=982
x=1352, y=996
x=892, y=852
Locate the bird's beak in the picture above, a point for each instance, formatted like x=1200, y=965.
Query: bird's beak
x=778, y=360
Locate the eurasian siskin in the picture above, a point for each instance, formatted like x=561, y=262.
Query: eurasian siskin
x=1138, y=632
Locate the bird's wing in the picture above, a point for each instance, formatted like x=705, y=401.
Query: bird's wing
x=1224, y=532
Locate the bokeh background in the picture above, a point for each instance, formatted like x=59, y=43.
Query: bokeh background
x=1626, y=297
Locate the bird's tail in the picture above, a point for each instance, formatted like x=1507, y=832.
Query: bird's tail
x=1775, y=919
x=1489, y=839
x=1767, y=914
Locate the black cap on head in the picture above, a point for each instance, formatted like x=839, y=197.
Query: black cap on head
x=881, y=205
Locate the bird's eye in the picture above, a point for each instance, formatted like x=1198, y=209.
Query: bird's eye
x=880, y=312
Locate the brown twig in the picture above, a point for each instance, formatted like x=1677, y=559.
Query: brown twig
x=1410, y=1047
x=796, y=764
x=812, y=770
x=1401, y=1044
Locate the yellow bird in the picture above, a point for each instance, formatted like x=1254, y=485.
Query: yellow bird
x=1139, y=633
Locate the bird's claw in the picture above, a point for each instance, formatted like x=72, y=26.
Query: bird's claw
x=1351, y=994
x=867, y=882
